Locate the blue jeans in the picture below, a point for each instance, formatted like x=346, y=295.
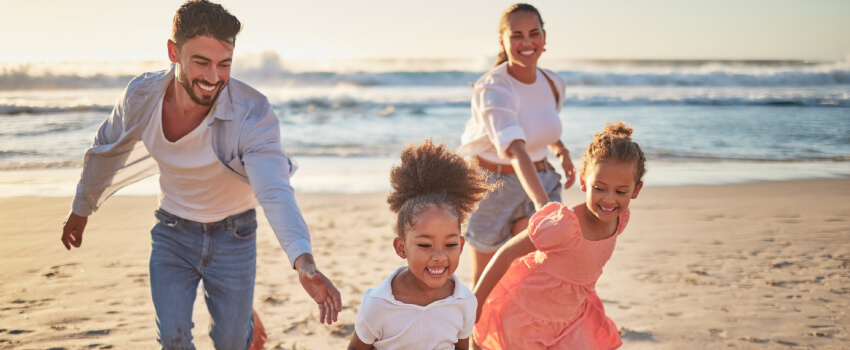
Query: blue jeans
x=222, y=254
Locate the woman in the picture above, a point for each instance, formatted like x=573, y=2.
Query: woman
x=514, y=119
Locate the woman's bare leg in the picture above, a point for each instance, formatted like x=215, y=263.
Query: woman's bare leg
x=480, y=260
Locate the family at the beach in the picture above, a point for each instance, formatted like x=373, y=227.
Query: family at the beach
x=216, y=144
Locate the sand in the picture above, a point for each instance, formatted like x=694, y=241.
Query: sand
x=749, y=266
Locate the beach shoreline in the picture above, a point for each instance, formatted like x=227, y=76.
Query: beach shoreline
x=748, y=266
x=353, y=175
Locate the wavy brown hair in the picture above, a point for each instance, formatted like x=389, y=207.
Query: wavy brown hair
x=615, y=143
x=201, y=17
x=430, y=174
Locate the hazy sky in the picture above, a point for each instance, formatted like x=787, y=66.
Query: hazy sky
x=320, y=29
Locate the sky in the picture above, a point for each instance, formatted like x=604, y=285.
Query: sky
x=819, y=30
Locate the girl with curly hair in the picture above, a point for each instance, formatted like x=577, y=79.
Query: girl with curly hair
x=538, y=292
x=424, y=305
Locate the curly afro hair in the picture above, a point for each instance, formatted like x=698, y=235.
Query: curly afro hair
x=430, y=174
x=615, y=143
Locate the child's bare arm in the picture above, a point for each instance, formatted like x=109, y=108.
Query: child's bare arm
x=357, y=344
x=462, y=344
x=516, y=247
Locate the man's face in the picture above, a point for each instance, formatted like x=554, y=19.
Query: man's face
x=203, y=67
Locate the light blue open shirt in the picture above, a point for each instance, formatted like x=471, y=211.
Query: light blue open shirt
x=245, y=137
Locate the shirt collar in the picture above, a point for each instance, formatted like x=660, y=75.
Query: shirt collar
x=385, y=289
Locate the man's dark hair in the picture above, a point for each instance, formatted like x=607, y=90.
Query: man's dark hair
x=201, y=17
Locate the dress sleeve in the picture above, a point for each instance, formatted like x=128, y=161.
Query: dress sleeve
x=554, y=228
x=362, y=327
x=495, y=106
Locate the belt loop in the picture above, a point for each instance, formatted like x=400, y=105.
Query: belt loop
x=499, y=168
x=230, y=223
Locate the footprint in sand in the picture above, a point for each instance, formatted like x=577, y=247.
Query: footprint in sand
x=755, y=340
x=713, y=217
x=787, y=343
x=96, y=333
x=822, y=334
x=781, y=265
x=275, y=301
x=649, y=276
x=297, y=326
x=633, y=335
x=716, y=332
x=696, y=282
x=342, y=330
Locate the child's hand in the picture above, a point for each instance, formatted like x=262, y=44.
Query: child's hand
x=320, y=288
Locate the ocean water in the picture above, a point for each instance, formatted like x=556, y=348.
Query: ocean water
x=700, y=122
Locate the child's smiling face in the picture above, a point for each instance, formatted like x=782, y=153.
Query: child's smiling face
x=610, y=186
x=432, y=247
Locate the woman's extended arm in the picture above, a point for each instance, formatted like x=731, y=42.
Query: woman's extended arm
x=516, y=247
x=527, y=174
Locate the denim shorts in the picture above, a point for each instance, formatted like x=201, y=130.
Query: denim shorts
x=489, y=226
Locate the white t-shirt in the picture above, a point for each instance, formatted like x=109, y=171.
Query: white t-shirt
x=193, y=183
x=505, y=109
x=387, y=323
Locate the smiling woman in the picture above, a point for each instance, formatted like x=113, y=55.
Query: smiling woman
x=515, y=118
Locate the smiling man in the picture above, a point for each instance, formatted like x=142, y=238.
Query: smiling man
x=215, y=142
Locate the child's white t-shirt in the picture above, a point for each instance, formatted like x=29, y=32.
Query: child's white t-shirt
x=387, y=323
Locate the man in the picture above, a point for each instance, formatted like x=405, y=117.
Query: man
x=216, y=143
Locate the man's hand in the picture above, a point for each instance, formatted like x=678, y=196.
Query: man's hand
x=320, y=288
x=72, y=231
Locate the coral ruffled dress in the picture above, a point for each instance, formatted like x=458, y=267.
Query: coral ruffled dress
x=547, y=299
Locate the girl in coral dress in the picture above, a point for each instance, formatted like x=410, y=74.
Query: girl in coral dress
x=538, y=292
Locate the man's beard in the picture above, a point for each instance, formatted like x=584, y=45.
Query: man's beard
x=205, y=101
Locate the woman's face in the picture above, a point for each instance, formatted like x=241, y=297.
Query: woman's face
x=523, y=39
